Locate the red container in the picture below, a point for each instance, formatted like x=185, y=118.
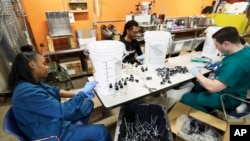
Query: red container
x=233, y=1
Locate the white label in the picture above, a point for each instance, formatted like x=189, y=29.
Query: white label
x=70, y=72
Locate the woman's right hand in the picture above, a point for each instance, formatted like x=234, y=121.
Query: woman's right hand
x=88, y=89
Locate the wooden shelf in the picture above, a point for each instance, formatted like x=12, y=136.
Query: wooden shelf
x=78, y=6
x=78, y=2
x=78, y=11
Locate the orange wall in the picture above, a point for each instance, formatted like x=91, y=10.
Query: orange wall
x=110, y=10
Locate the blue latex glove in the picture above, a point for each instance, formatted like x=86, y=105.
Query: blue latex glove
x=89, y=86
x=213, y=65
x=88, y=89
x=141, y=57
x=195, y=71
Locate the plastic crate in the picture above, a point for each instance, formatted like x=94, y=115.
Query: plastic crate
x=143, y=122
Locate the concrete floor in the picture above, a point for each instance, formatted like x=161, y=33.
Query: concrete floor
x=3, y=109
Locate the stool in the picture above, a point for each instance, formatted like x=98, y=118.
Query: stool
x=51, y=43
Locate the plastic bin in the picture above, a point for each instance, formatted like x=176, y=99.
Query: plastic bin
x=143, y=122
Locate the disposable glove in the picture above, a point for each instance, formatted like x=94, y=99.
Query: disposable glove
x=195, y=71
x=141, y=57
x=89, y=86
x=213, y=66
x=88, y=89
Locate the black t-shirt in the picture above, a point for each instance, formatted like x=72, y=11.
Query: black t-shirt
x=132, y=47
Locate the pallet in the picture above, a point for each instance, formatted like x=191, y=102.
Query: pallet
x=51, y=46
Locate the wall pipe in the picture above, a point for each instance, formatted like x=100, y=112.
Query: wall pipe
x=105, y=21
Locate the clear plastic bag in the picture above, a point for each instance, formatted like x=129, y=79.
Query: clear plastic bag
x=194, y=130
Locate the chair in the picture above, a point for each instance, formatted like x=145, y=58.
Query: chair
x=239, y=114
x=106, y=34
x=10, y=127
x=112, y=28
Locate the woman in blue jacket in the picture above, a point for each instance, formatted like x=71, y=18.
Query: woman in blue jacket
x=37, y=107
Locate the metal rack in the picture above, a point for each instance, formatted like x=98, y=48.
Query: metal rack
x=19, y=9
x=11, y=37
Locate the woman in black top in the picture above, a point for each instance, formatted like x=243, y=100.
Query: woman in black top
x=131, y=28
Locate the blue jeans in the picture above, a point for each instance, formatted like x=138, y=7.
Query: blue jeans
x=80, y=130
x=92, y=132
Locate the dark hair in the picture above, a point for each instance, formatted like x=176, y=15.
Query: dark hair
x=20, y=67
x=129, y=25
x=228, y=33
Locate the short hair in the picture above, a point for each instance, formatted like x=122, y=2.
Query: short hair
x=129, y=25
x=228, y=33
x=20, y=67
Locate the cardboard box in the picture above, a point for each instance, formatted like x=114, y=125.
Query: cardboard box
x=72, y=65
x=220, y=125
x=85, y=36
x=180, y=109
x=87, y=65
x=82, y=42
x=85, y=33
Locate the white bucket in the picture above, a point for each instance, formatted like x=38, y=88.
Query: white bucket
x=106, y=56
x=156, y=46
x=156, y=61
x=209, y=50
